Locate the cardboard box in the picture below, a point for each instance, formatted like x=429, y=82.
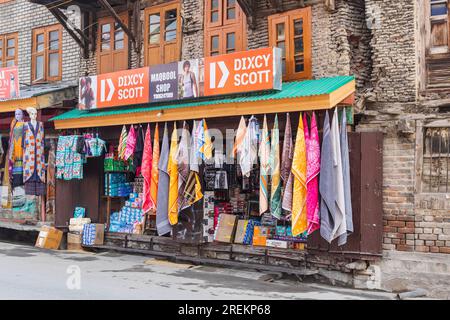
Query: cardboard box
x=277, y=243
x=225, y=228
x=49, y=238
x=93, y=234
x=79, y=221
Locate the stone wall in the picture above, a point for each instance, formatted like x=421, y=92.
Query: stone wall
x=22, y=16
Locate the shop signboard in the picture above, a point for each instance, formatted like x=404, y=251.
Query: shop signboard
x=9, y=83
x=246, y=71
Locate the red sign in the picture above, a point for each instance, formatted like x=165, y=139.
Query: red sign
x=245, y=71
x=9, y=83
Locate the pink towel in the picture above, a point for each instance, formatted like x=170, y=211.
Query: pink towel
x=312, y=173
x=147, y=171
x=131, y=143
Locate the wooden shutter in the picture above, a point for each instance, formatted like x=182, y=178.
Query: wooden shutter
x=295, y=40
x=162, y=44
x=439, y=11
x=110, y=57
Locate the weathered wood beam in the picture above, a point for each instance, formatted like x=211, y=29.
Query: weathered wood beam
x=116, y=17
x=59, y=16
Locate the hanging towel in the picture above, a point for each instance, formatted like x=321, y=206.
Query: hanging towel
x=249, y=155
x=155, y=174
x=131, y=143
x=275, y=190
x=122, y=143
x=138, y=151
x=312, y=175
x=193, y=190
x=286, y=166
x=205, y=142
x=183, y=166
x=240, y=134
x=346, y=176
x=264, y=155
x=162, y=220
x=173, y=174
x=299, y=217
x=147, y=155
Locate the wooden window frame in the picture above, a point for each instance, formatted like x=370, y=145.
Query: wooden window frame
x=436, y=19
x=46, y=53
x=288, y=19
x=162, y=9
x=112, y=40
x=4, y=58
x=224, y=26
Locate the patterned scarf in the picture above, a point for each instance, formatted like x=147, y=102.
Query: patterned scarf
x=264, y=155
x=275, y=196
x=173, y=178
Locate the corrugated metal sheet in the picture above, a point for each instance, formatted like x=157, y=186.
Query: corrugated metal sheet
x=295, y=89
x=39, y=90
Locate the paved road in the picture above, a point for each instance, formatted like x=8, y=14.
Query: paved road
x=31, y=273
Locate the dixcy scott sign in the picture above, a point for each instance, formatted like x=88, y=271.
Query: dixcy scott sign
x=253, y=70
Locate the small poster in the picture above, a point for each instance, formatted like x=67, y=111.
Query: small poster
x=88, y=93
x=9, y=83
x=190, y=79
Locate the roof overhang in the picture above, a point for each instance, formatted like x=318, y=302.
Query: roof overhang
x=212, y=109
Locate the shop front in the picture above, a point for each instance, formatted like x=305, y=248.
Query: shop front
x=28, y=146
x=215, y=160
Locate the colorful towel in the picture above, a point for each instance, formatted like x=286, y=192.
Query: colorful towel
x=286, y=166
x=312, y=175
x=249, y=155
x=193, y=190
x=205, y=142
x=155, y=174
x=162, y=219
x=183, y=166
x=131, y=143
x=147, y=155
x=240, y=134
x=122, y=143
x=346, y=176
x=275, y=190
x=299, y=219
x=173, y=175
x=264, y=155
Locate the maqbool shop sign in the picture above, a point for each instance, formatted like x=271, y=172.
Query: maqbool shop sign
x=247, y=71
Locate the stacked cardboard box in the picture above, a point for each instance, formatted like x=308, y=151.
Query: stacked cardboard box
x=49, y=238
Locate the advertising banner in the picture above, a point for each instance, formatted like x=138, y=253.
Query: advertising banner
x=246, y=71
x=9, y=83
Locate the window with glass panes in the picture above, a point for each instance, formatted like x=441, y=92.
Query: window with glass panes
x=8, y=50
x=113, y=45
x=162, y=34
x=439, y=26
x=46, y=60
x=291, y=31
x=225, y=27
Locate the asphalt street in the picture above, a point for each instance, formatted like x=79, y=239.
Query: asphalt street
x=31, y=273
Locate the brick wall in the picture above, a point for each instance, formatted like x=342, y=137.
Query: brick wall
x=22, y=16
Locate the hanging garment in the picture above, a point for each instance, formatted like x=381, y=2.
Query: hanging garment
x=147, y=203
x=155, y=161
x=95, y=147
x=275, y=189
x=346, y=177
x=205, y=143
x=138, y=151
x=69, y=163
x=286, y=166
x=16, y=155
x=6, y=196
x=173, y=174
x=331, y=215
x=299, y=219
x=162, y=220
x=264, y=165
x=34, y=156
x=240, y=134
x=122, y=143
x=312, y=175
x=183, y=166
x=131, y=143
x=249, y=155
x=193, y=190
x=51, y=182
